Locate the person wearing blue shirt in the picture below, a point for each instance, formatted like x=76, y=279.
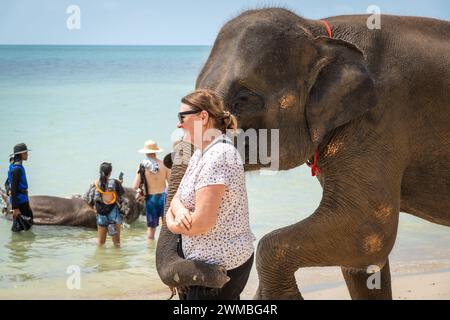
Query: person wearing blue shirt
x=18, y=186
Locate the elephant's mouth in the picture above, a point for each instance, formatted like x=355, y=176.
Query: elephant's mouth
x=253, y=152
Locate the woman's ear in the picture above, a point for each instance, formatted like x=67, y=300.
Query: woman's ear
x=205, y=117
x=342, y=87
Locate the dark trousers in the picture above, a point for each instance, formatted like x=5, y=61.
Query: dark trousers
x=26, y=211
x=25, y=220
x=230, y=291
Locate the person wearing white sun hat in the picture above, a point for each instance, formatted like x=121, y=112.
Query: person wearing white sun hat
x=150, y=184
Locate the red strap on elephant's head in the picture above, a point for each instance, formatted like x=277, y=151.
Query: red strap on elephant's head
x=314, y=166
x=327, y=27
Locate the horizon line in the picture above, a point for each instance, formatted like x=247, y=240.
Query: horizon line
x=106, y=45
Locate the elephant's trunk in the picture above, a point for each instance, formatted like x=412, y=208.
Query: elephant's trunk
x=173, y=270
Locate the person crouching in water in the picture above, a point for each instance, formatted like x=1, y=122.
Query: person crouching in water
x=150, y=183
x=107, y=196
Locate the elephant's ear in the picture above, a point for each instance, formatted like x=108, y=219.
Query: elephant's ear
x=342, y=87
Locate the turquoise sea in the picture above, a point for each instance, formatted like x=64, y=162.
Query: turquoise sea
x=77, y=106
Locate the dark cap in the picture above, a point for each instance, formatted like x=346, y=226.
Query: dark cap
x=20, y=148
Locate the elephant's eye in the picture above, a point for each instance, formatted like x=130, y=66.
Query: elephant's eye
x=246, y=101
x=244, y=93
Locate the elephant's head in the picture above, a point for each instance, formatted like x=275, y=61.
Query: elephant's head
x=4, y=202
x=131, y=208
x=273, y=73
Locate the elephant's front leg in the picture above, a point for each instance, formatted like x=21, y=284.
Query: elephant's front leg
x=327, y=238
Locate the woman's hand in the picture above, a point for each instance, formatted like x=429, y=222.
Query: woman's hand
x=183, y=218
x=181, y=214
x=207, y=202
x=180, y=224
x=170, y=218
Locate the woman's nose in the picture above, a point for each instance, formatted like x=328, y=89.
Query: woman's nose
x=179, y=125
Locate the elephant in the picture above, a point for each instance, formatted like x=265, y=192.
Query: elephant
x=75, y=212
x=367, y=109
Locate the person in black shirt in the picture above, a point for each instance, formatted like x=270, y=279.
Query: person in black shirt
x=17, y=187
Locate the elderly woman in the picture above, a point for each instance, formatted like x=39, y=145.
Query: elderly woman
x=210, y=208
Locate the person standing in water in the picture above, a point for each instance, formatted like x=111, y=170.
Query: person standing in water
x=106, y=195
x=150, y=184
x=18, y=189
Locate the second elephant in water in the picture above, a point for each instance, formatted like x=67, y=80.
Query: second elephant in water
x=75, y=212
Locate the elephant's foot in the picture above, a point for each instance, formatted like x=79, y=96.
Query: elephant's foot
x=285, y=294
x=364, y=286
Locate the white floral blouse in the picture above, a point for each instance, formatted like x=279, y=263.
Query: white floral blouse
x=230, y=242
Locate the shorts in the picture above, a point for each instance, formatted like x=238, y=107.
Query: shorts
x=154, y=208
x=112, y=217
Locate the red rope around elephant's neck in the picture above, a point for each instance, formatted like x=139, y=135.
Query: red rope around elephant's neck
x=314, y=166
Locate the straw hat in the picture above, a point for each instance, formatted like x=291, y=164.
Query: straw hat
x=150, y=146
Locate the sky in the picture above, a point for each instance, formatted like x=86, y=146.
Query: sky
x=166, y=22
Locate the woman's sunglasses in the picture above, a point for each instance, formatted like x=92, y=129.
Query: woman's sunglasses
x=183, y=114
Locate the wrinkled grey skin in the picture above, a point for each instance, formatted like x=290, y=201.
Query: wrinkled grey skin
x=4, y=202
x=75, y=212
x=174, y=271
x=376, y=106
